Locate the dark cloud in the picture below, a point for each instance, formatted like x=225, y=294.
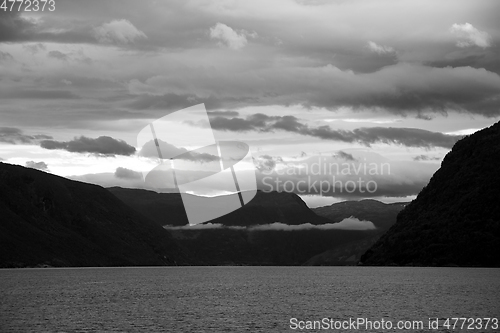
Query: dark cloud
x=407, y=89
x=38, y=94
x=5, y=56
x=15, y=28
x=79, y=113
x=255, y=122
x=167, y=102
x=411, y=89
x=457, y=62
x=328, y=63
x=410, y=137
x=426, y=158
x=168, y=150
x=127, y=173
x=345, y=156
x=16, y=136
x=34, y=48
x=103, y=145
x=150, y=150
x=58, y=55
x=175, y=102
x=37, y=165
x=232, y=124
x=223, y=113
x=487, y=59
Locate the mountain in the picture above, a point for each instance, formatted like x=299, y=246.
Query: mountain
x=238, y=243
x=455, y=219
x=381, y=214
x=280, y=247
x=162, y=208
x=345, y=253
x=50, y=220
x=264, y=208
x=270, y=207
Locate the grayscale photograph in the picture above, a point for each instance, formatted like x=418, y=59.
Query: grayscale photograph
x=250, y=166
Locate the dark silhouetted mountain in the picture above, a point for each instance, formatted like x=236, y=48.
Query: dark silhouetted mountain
x=455, y=220
x=344, y=253
x=245, y=245
x=381, y=214
x=162, y=208
x=264, y=208
x=270, y=207
x=248, y=246
x=46, y=219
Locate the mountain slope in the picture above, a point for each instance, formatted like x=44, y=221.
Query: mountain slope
x=455, y=220
x=46, y=219
x=381, y=214
x=270, y=207
x=264, y=208
x=162, y=208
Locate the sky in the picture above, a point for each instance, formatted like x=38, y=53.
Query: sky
x=377, y=90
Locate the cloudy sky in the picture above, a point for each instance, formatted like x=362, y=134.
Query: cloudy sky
x=303, y=81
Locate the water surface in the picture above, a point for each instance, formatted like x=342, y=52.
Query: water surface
x=239, y=299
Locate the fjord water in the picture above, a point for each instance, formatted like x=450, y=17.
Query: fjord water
x=238, y=299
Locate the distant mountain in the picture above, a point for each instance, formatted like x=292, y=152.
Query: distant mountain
x=248, y=246
x=270, y=207
x=381, y=214
x=251, y=246
x=264, y=208
x=455, y=220
x=50, y=220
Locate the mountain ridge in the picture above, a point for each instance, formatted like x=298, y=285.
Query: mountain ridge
x=50, y=220
x=455, y=219
x=382, y=215
x=264, y=208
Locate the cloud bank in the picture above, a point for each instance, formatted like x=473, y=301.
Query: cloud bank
x=16, y=136
x=168, y=150
x=103, y=145
x=409, y=137
x=401, y=88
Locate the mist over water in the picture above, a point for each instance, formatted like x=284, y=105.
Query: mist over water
x=238, y=299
